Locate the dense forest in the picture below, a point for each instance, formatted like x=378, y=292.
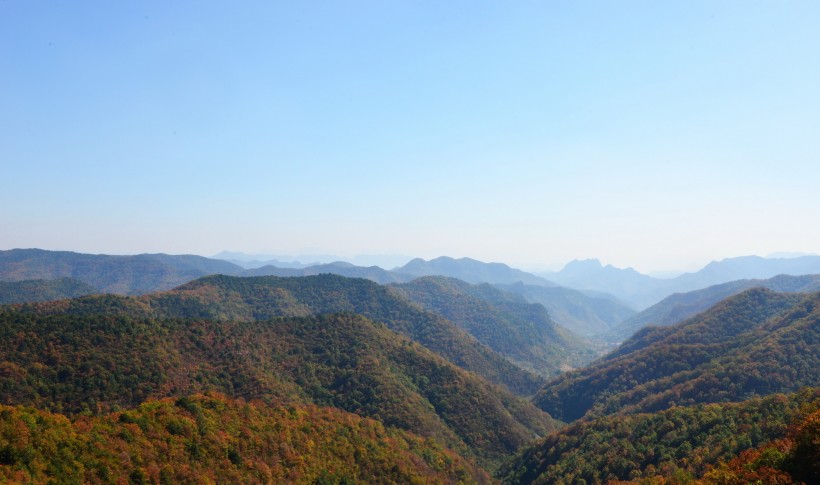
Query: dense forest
x=327, y=379
x=109, y=360
x=213, y=439
x=681, y=442
x=755, y=343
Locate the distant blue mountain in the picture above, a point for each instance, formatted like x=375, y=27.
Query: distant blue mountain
x=642, y=291
x=471, y=271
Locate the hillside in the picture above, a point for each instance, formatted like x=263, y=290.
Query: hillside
x=212, y=439
x=755, y=343
x=256, y=298
x=521, y=331
x=677, y=443
x=680, y=306
x=99, y=361
x=42, y=290
x=471, y=271
x=572, y=309
x=126, y=275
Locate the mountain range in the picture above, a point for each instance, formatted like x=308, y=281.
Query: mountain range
x=431, y=379
x=642, y=291
x=680, y=306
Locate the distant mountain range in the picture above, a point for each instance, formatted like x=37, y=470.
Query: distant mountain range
x=642, y=291
x=583, y=313
x=680, y=306
x=126, y=275
x=592, y=300
x=42, y=290
x=372, y=273
x=471, y=271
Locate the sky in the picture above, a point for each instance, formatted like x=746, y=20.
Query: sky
x=653, y=135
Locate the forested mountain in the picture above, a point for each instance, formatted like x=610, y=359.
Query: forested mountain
x=471, y=271
x=755, y=343
x=521, y=331
x=104, y=353
x=572, y=309
x=678, y=443
x=680, y=306
x=127, y=275
x=642, y=291
x=213, y=439
x=372, y=273
x=254, y=298
x=42, y=290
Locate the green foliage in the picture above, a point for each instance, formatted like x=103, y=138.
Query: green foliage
x=678, y=443
x=225, y=441
x=521, y=331
x=755, y=343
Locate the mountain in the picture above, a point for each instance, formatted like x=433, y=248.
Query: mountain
x=100, y=353
x=42, y=290
x=577, y=311
x=680, y=306
x=471, y=271
x=127, y=275
x=627, y=284
x=372, y=273
x=255, y=298
x=752, y=344
x=642, y=291
x=678, y=443
x=748, y=267
x=521, y=331
x=214, y=439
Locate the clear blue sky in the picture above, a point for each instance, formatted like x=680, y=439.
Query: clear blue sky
x=647, y=134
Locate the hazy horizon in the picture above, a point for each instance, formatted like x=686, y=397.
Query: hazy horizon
x=646, y=135
x=393, y=261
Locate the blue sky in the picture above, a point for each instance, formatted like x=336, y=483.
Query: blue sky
x=657, y=135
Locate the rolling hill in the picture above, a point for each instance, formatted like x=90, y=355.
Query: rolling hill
x=756, y=343
x=521, y=331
